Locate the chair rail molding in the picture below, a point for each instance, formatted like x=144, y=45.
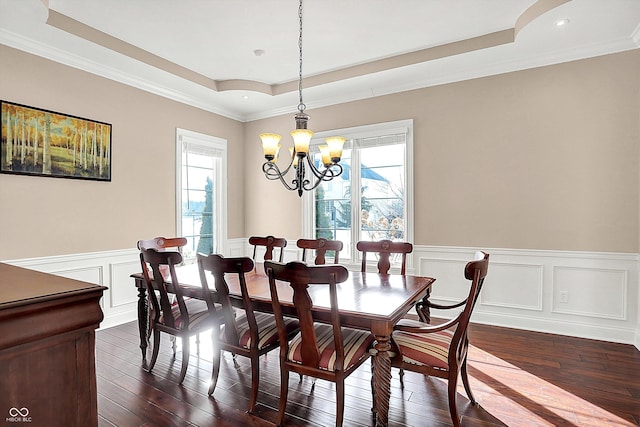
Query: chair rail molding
x=592, y=295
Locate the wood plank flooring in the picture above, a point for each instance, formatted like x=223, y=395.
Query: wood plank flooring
x=520, y=378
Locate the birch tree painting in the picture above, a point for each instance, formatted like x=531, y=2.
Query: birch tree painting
x=41, y=142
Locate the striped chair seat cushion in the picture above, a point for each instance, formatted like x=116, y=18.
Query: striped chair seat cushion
x=197, y=309
x=267, y=329
x=429, y=349
x=356, y=346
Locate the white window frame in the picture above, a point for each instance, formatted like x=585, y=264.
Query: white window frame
x=360, y=132
x=214, y=145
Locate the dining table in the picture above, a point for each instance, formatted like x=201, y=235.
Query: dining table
x=367, y=301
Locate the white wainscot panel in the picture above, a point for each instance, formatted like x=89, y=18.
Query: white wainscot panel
x=450, y=284
x=513, y=285
x=591, y=292
x=507, y=285
x=91, y=274
x=123, y=291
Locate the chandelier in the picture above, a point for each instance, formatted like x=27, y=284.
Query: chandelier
x=306, y=175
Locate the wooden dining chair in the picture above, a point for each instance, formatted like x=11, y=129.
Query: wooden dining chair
x=182, y=319
x=384, y=248
x=250, y=334
x=321, y=246
x=269, y=243
x=326, y=351
x=441, y=350
x=163, y=244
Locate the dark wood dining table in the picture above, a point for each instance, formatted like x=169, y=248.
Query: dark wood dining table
x=368, y=301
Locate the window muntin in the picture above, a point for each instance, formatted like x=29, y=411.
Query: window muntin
x=375, y=162
x=201, y=193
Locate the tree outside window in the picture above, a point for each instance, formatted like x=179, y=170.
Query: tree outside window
x=376, y=167
x=201, y=167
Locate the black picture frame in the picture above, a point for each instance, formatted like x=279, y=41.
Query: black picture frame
x=46, y=143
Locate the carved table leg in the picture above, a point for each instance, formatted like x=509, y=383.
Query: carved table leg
x=382, y=380
x=143, y=321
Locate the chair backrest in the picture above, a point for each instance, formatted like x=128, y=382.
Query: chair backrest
x=384, y=248
x=300, y=276
x=219, y=266
x=154, y=264
x=476, y=271
x=163, y=243
x=321, y=246
x=269, y=243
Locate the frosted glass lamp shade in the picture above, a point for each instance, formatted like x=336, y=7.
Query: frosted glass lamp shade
x=270, y=145
x=335, y=144
x=301, y=140
x=326, y=158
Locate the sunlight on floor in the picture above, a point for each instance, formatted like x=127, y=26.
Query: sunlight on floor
x=509, y=393
x=507, y=390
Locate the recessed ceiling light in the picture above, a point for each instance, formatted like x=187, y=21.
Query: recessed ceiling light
x=259, y=52
x=245, y=96
x=562, y=22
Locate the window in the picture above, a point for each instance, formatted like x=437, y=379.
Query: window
x=375, y=162
x=201, y=192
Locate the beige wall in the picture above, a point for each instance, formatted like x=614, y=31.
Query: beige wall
x=46, y=216
x=540, y=159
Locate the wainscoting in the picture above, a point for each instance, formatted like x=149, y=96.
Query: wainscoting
x=582, y=294
x=111, y=269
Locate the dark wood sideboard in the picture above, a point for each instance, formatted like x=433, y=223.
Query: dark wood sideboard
x=47, y=349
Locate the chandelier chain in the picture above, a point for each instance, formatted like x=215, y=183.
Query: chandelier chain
x=301, y=106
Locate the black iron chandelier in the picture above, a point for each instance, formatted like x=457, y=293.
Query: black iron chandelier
x=307, y=176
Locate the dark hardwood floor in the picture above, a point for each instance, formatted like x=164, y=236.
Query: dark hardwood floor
x=520, y=379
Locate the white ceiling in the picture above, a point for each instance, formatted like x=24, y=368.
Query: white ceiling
x=201, y=52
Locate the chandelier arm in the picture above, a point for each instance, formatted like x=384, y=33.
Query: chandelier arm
x=331, y=173
x=271, y=169
x=316, y=172
x=326, y=174
x=286, y=171
x=308, y=187
x=272, y=172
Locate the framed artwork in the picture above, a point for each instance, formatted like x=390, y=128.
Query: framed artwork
x=45, y=143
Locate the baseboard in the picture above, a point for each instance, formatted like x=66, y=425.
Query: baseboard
x=119, y=318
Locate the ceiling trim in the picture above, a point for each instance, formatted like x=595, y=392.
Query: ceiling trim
x=190, y=92
x=484, y=41
x=86, y=32
x=46, y=51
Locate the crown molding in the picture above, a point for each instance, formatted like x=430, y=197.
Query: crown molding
x=469, y=73
x=205, y=103
x=33, y=47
